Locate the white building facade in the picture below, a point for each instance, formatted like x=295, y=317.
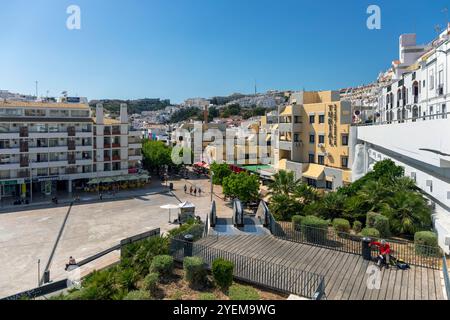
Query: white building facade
x=59, y=146
x=413, y=125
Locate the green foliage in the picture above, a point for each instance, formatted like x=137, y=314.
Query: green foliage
x=306, y=194
x=205, y=296
x=195, y=271
x=139, y=255
x=381, y=223
x=137, y=295
x=231, y=110
x=370, y=220
x=220, y=171
x=150, y=282
x=341, y=225
x=331, y=206
x=192, y=227
x=315, y=229
x=297, y=222
x=186, y=114
x=222, y=271
x=357, y=226
x=283, y=207
x=134, y=106
x=284, y=183
x=426, y=243
x=127, y=278
x=243, y=186
x=408, y=213
x=370, y=232
x=156, y=154
x=240, y=292
x=162, y=264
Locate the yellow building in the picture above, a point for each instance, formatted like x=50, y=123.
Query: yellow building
x=314, y=138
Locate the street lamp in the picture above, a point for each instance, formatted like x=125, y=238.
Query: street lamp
x=39, y=272
x=212, y=185
x=30, y=162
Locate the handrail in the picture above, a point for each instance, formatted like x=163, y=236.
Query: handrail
x=446, y=276
x=437, y=116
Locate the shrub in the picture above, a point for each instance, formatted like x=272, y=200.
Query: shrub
x=297, y=222
x=341, y=225
x=240, y=292
x=370, y=219
x=222, y=271
x=151, y=282
x=315, y=229
x=206, y=296
x=162, y=264
x=370, y=232
x=426, y=243
x=195, y=271
x=381, y=223
x=128, y=279
x=137, y=295
x=357, y=226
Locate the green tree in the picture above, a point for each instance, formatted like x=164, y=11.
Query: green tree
x=243, y=186
x=220, y=172
x=306, y=194
x=284, y=183
x=155, y=155
x=284, y=207
x=408, y=213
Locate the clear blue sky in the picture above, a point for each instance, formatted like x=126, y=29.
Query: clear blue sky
x=187, y=48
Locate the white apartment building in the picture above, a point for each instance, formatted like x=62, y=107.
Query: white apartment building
x=60, y=146
x=413, y=125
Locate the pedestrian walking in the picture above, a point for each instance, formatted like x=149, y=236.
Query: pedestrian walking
x=191, y=190
x=195, y=192
x=199, y=192
x=185, y=188
x=101, y=196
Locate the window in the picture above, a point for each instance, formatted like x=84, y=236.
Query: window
x=296, y=119
x=322, y=118
x=432, y=79
x=311, y=182
x=329, y=185
x=312, y=119
x=296, y=137
x=311, y=158
x=321, y=160
x=441, y=77
x=312, y=138
x=345, y=140
x=444, y=111
x=321, y=139
x=80, y=113
x=344, y=161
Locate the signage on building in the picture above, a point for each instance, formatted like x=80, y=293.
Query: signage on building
x=11, y=182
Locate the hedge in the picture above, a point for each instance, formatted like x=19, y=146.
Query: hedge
x=151, y=282
x=341, y=225
x=357, y=226
x=297, y=222
x=370, y=232
x=195, y=271
x=426, y=243
x=162, y=264
x=314, y=229
x=222, y=271
x=381, y=223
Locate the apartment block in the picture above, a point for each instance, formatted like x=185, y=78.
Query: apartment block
x=313, y=139
x=60, y=146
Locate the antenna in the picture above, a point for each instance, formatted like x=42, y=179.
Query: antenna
x=256, y=89
x=37, y=92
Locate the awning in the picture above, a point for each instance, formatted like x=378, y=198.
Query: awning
x=287, y=112
x=314, y=171
x=330, y=178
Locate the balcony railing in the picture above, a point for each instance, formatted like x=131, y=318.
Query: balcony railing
x=71, y=131
x=23, y=133
x=116, y=158
x=116, y=145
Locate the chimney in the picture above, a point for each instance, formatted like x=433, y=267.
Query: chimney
x=205, y=115
x=123, y=113
x=99, y=113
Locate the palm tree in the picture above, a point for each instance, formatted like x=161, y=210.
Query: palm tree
x=374, y=193
x=306, y=193
x=332, y=205
x=284, y=207
x=408, y=212
x=285, y=183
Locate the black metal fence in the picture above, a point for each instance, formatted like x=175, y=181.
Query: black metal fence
x=40, y=291
x=255, y=271
x=414, y=254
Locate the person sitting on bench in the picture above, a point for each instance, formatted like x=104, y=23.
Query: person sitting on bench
x=384, y=252
x=72, y=262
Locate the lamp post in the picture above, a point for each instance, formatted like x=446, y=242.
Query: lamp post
x=212, y=185
x=39, y=272
x=30, y=162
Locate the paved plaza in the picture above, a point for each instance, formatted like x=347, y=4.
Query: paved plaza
x=91, y=227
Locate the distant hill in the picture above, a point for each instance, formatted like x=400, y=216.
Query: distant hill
x=134, y=106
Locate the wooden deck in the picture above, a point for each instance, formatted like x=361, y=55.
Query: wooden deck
x=345, y=274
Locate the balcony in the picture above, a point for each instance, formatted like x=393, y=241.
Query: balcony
x=285, y=145
x=285, y=127
x=107, y=132
x=23, y=133
x=71, y=145
x=71, y=160
x=71, y=171
x=116, y=158
x=106, y=159
x=116, y=145
x=24, y=162
x=23, y=174
x=24, y=146
x=71, y=131
x=116, y=132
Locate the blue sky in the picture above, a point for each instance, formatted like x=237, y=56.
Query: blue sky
x=187, y=48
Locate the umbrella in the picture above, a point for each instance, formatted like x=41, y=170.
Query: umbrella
x=107, y=180
x=169, y=207
x=132, y=178
x=94, y=181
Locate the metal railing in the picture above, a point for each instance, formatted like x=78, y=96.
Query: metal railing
x=411, y=253
x=263, y=273
x=446, y=276
x=418, y=118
